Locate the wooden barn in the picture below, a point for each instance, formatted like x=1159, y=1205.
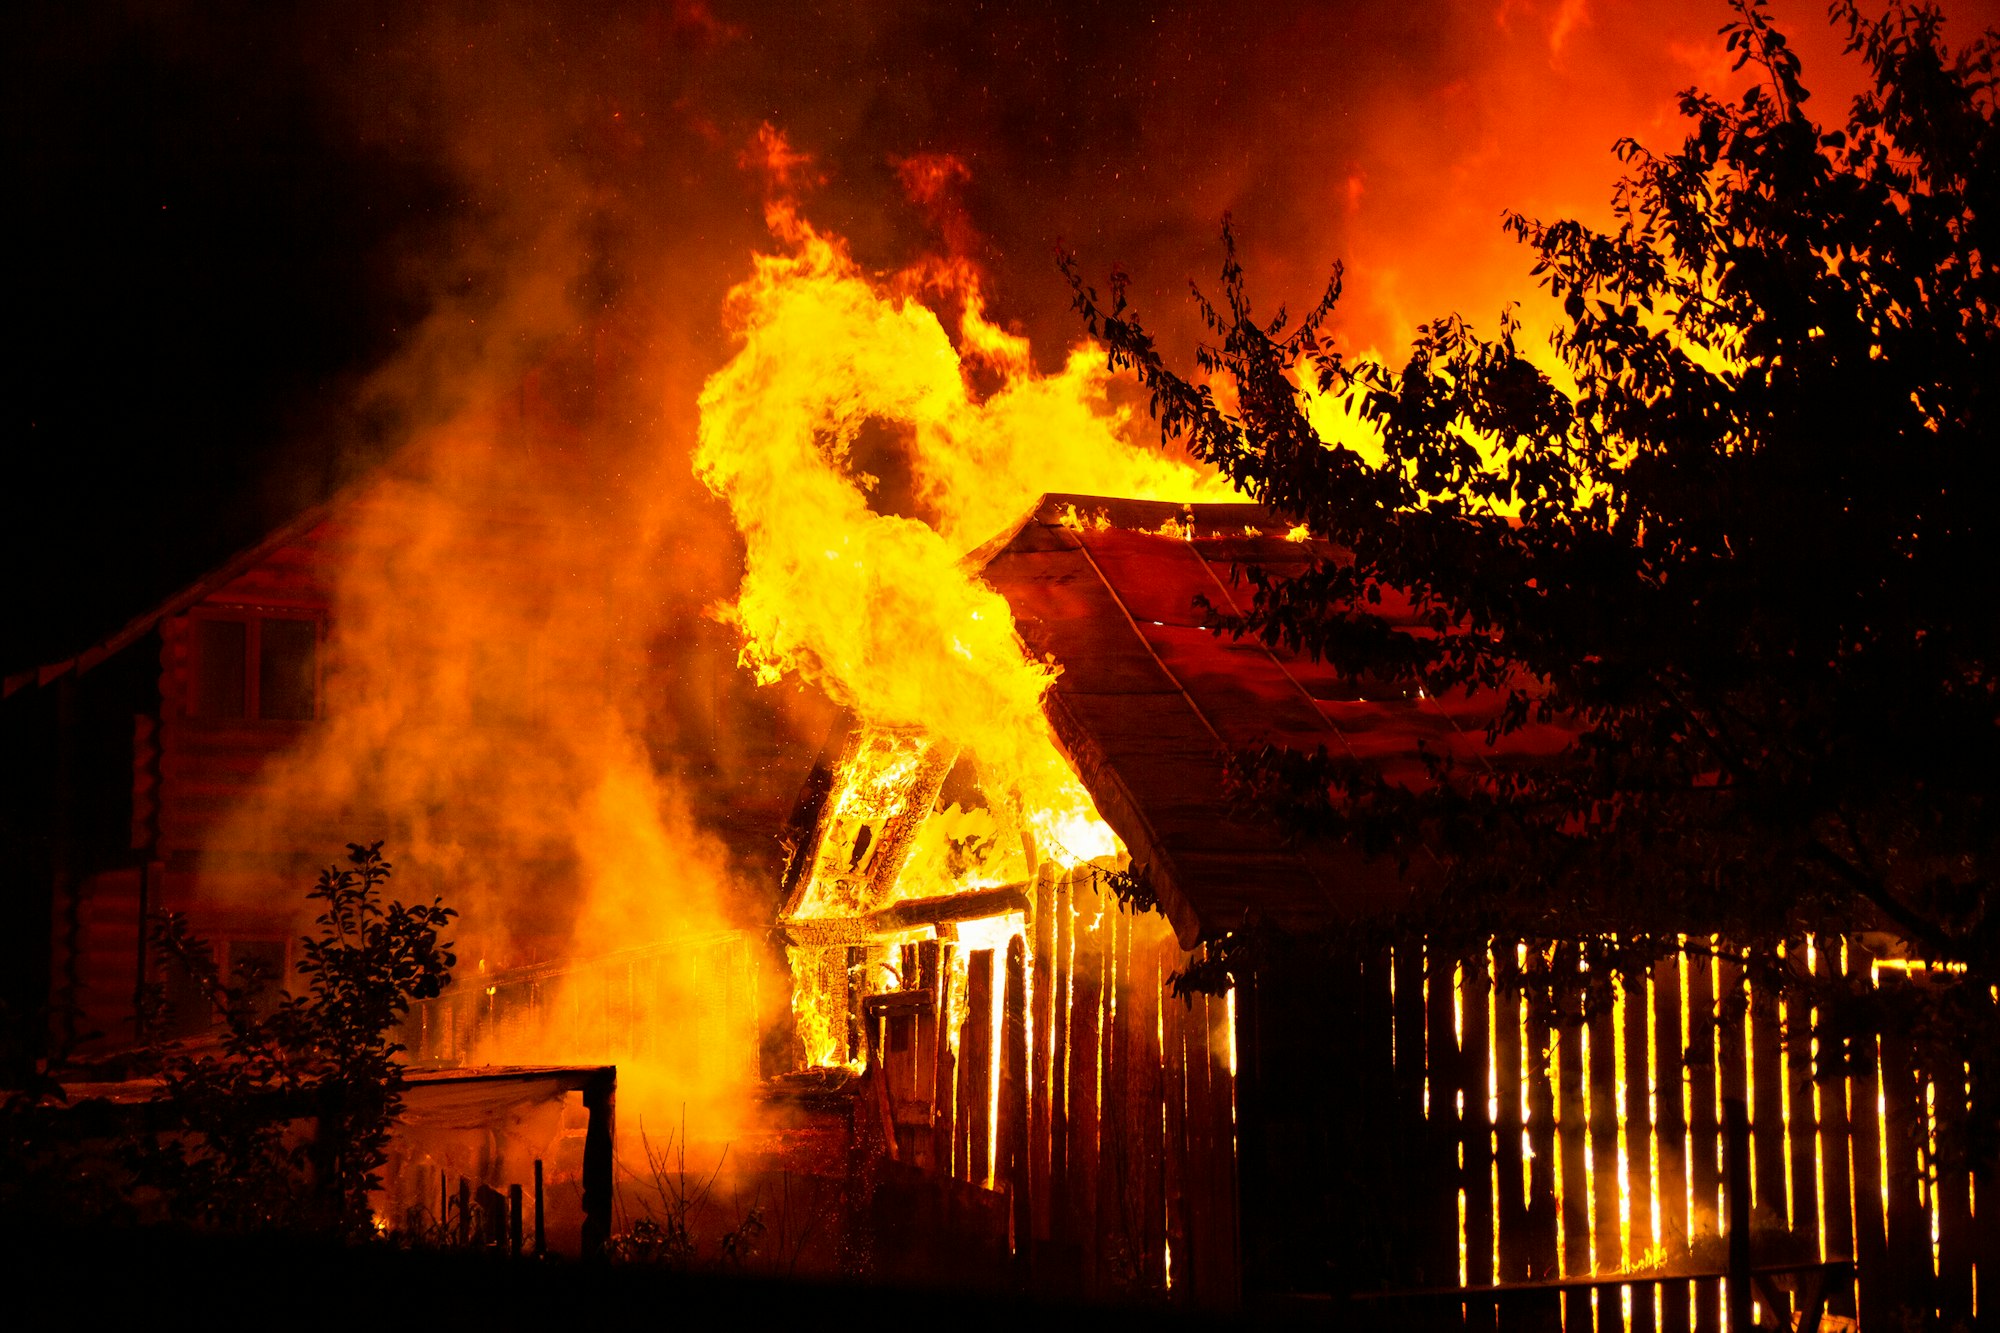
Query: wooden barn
x=1393, y=1126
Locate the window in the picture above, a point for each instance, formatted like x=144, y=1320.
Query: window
x=259, y=967
x=287, y=664
x=264, y=667
x=220, y=648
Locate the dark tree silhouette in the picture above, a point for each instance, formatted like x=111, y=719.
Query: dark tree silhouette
x=1748, y=559
x=231, y=1155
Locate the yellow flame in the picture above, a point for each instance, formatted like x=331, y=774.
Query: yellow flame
x=875, y=608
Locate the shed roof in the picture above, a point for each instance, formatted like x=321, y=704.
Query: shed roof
x=1150, y=705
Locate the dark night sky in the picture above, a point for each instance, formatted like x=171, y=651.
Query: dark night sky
x=228, y=215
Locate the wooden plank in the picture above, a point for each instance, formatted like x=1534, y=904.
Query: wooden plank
x=1830, y=1080
x=1085, y=1062
x=1114, y=1229
x=1143, y=1113
x=1572, y=1128
x=1039, y=1078
x=1871, y=1250
x=1014, y=1170
x=1063, y=967
x=1770, y=1189
x=1670, y=1134
x=1601, y=1070
x=1951, y=1201
x=1986, y=1234
x=1703, y=1061
x=1417, y=1202
x=1801, y=1115
x=1223, y=1253
x=1210, y=1248
x=1475, y=1127
x=1732, y=1047
x=1173, y=1167
x=1636, y=1026
x=1908, y=1258
x=1475, y=1070
x=1510, y=1206
x=1445, y=1084
x=1540, y=1052
x=944, y=1122
x=976, y=1053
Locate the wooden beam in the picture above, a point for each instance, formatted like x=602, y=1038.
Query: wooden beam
x=823, y=932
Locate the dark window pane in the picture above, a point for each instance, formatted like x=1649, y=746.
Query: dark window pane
x=186, y=1008
x=259, y=967
x=287, y=653
x=218, y=668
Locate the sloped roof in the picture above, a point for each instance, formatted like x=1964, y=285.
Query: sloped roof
x=1150, y=705
x=139, y=626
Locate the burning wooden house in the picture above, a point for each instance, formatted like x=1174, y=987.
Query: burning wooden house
x=1402, y=1126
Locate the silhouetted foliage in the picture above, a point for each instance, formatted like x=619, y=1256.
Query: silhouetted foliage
x=286, y=1123
x=1746, y=559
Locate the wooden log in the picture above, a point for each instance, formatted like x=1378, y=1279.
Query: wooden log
x=913, y=914
x=1043, y=1018
x=1670, y=1135
x=976, y=1050
x=1704, y=1069
x=1085, y=1064
x=1636, y=1024
x=1015, y=1167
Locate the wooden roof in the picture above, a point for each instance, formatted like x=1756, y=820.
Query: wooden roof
x=1150, y=706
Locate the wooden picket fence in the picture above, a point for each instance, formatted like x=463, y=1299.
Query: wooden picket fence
x=1539, y=1145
